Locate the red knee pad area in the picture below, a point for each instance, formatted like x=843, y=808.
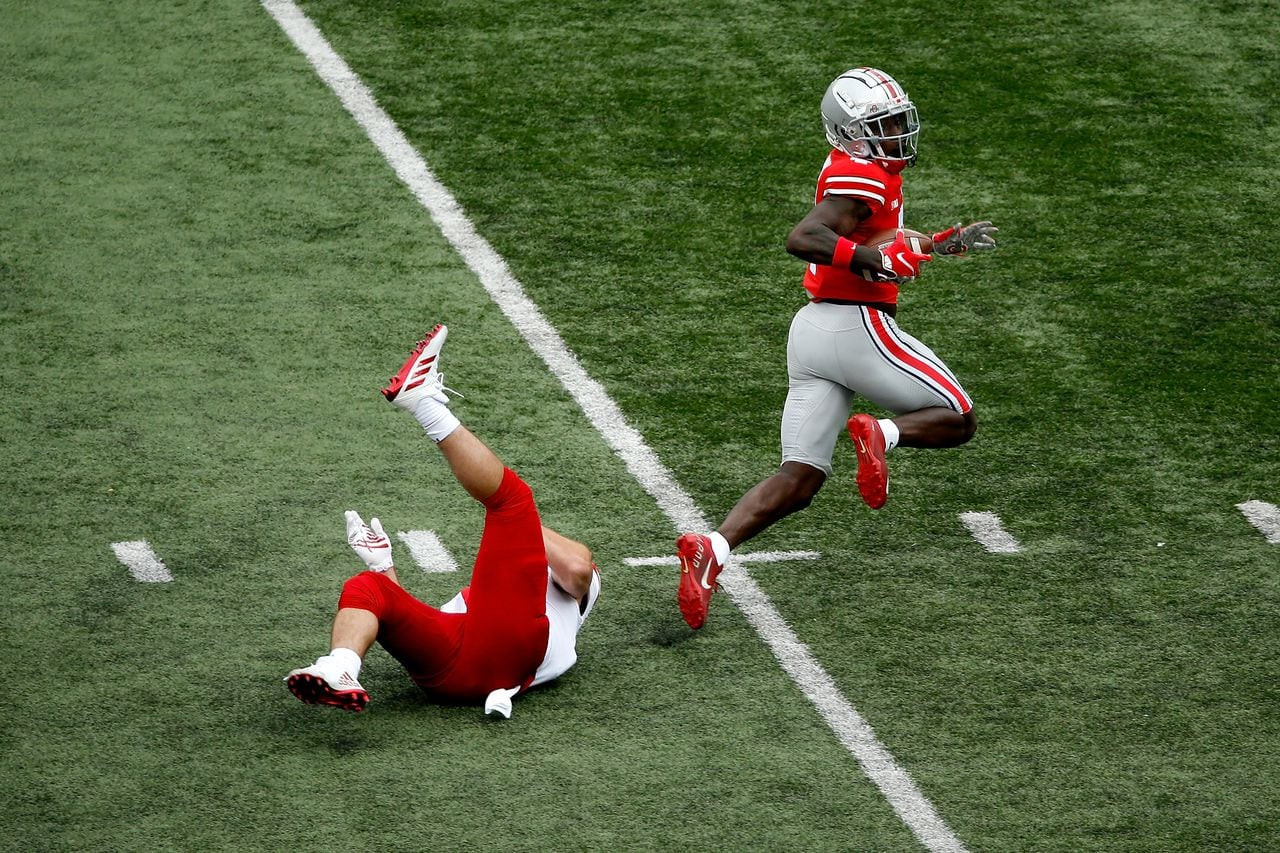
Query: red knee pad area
x=512, y=492
x=365, y=592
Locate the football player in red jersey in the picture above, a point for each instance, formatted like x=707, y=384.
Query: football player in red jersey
x=845, y=340
x=517, y=623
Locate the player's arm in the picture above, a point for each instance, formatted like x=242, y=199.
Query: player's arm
x=570, y=562
x=816, y=238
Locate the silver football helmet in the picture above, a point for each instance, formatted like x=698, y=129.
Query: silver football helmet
x=867, y=114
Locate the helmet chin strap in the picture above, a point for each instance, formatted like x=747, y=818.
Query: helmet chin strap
x=892, y=165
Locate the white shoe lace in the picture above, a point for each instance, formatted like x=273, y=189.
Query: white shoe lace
x=449, y=390
x=435, y=389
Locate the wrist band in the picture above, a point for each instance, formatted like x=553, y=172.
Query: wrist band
x=842, y=257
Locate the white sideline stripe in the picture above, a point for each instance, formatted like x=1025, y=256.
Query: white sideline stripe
x=849, y=726
x=987, y=528
x=756, y=557
x=1265, y=517
x=141, y=561
x=428, y=551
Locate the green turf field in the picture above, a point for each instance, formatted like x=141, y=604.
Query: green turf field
x=207, y=270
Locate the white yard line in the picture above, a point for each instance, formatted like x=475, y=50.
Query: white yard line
x=849, y=726
x=1265, y=517
x=428, y=551
x=987, y=528
x=141, y=561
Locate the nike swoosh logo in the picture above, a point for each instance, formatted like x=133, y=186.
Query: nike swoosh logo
x=703, y=580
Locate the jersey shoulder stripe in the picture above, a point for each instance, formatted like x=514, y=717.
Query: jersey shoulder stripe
x=858, y=193
x=852, y=176
x=854, y=179
x=840, y=164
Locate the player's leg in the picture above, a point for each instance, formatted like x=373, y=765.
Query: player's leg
x=353, y=628
x=935, y=427
x=513, y=534
x=374, y=607
x=703, y=556
x=815, y=410
x=507, y=605
x=506, y=622
x=421, y=638
x=898, y=372
x=814, y=413
x=788, y=490
x=419, y=389
x=474, y=465
x=334, y=678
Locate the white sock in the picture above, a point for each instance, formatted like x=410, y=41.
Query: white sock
x=435, y=418
x=890, y=430
x=346, y=659
x=719, y=547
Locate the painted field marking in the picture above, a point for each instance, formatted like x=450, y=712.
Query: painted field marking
x=1265, y=517
x=987, y=528
x=428, y=551
x=853, y=731
x=141, y=561
x=755, y=557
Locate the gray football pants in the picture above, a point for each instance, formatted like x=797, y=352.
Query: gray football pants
x=837, y=351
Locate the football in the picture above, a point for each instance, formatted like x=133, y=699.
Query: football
x=917, y=241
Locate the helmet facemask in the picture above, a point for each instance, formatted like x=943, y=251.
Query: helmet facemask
x=888, y=137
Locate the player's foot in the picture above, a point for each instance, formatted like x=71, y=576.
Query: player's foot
x=420, y=375
x=873, y=471
x=321, y=685
x=698, y=572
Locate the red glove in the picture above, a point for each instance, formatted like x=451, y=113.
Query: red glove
x=900, y=261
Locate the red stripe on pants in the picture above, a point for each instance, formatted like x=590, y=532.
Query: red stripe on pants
x=960, y=400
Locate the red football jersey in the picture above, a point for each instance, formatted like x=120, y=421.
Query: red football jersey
x=878, y=190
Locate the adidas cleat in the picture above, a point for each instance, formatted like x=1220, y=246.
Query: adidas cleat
x=315, y=686
x=420, y=375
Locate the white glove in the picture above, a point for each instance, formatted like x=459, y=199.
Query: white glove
x=369, y=541
x=958, y=239
x=499, y=701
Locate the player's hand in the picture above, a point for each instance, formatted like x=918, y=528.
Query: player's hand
x=900, y=260
x=959, y=239
x=369, y=541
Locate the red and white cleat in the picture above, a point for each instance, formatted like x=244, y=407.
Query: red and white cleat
x=319, y=686
x=873, y=471
x=420, y=375
x=698, y=572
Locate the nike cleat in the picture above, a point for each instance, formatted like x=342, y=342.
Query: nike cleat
x=316, y=686
x=420, y=375
x=873, y=471
x=698, y=572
